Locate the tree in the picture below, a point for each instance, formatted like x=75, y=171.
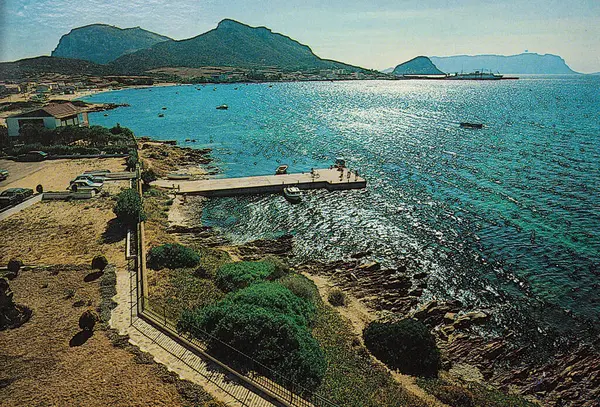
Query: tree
x=99, y=262
x=128, y=208
x=149, y=176
x=406, y=345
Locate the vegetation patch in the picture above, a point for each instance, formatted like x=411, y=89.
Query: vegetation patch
x=302, y=287
x=406, y=345
x=128, y=208
x=353, y=378
x=233, y=276
x=172, y=256
x=471, y=394
x=336, y=297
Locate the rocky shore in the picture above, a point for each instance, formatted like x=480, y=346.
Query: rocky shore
x=470, y=352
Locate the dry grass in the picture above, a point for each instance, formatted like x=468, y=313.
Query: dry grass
x=40, y=368
x=56, y=232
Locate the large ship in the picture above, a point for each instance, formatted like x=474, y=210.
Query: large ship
x=476, y=76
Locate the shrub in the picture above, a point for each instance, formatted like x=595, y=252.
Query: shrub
x=336, y=297
x=14, y=265
x=277, y=298
x=281, y=268
x=132, y=160
x=406, y=345
x=39, y=189
x=271, y=338
x=99, y=262
x=87, y=320
x=172, y=256
x=149, y=176
x=233, y=276
x=302, y=287
x=129, y=207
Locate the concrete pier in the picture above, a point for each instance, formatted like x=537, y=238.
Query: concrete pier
x=330, y=179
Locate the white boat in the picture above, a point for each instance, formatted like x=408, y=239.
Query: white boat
x=222, y=107
x=292, y=194
x=282, y=169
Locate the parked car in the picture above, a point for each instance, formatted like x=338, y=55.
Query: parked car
x=33, y=156
x=3, y=175
x=94, y=178
x=81, y=185
x=13, y=196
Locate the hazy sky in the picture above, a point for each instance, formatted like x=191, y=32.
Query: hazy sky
x=372, y=34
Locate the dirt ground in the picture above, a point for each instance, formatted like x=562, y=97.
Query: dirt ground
x=43, y=366
x=53, y=175
x=57, y=232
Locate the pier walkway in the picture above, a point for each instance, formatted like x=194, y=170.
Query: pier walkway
x=330, y=179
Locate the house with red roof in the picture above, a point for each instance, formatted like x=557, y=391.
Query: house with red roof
x=50, y=117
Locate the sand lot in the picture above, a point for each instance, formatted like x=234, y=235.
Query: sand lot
x=53, y=175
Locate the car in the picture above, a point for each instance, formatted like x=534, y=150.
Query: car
x=33, y=156
x=94, y=178
x=13, y=196
x=3, y=175
x=81, y=185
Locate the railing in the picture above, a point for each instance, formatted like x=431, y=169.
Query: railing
x=251, y=372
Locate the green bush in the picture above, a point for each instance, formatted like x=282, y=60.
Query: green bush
x=302, y=287
x=406, y=345
x=172, y=256
x=99, y=262
x=14, y=265
x=128, y=207
x=271, y=338
x=233, y=276
x=132, y=160
x=281, y=268
x=149, y=176
x=277, y=298
x=336, y=297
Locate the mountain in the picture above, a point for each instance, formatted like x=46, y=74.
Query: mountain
x=230, y=44
x=528, y=63
x=387, y=70
x=101, y=43
x=417, y=66
x=34, y=66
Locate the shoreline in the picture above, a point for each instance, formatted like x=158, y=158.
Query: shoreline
x=378, y=293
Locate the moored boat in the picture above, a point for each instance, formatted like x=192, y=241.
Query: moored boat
x=292, y=194
x=467, y=125
x=282, y=169
x=222, y=107
x=175, y=175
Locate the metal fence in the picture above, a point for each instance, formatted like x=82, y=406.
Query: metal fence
x=250, y=371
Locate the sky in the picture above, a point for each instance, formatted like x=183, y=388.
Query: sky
x=373, y=34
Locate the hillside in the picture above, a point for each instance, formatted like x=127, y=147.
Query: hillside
x=38, y=65
x=230, y=44
x=529, y=63
x=417, y=66
x=101, y=43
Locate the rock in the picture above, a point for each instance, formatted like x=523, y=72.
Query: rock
x=449, y=317
x=360, y=255
x=370, y=266
x=419, y=276
x=474, y=317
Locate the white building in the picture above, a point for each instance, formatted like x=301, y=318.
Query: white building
x=51, y=117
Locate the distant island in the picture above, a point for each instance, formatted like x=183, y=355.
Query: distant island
x=420, y=65
x=527, y=63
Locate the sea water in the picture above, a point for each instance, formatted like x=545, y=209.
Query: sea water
x=506, y=218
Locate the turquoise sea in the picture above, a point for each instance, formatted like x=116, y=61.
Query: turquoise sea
x=506, y=218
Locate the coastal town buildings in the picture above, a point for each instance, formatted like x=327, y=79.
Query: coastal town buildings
x=50, y=117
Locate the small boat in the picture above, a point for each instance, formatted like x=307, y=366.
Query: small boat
x=105, y=114
x=292, y=194
x=282, y=169
x=222, y=107
x=175, y=175
x=161, y=115
x=164, y=108
x=467, y=125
